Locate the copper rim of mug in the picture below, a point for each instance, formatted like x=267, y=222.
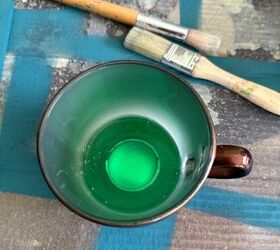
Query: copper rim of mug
x=144, y=221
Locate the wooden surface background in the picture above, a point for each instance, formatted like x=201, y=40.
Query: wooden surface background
x=226, y=214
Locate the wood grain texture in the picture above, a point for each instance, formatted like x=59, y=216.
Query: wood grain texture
x=237, y=122
x=35, y=223
x=195, y=230
x=242, y=123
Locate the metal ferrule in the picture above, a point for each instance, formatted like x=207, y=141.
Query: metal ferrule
x=161, y=27
x=181, y=58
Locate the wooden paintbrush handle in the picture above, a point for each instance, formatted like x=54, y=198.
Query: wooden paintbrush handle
x=109, y=10
x=264, y=97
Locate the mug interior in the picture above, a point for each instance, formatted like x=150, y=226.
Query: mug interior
x=113, y=92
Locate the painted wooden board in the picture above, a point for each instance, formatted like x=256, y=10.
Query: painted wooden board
x=226, y=214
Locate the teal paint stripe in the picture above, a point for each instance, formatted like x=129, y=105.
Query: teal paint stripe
x=264, y=73
x=6, y=17
x=152, y=237
x=51, y=33
x=190, y=13
x=27, y=95
x=249, y=209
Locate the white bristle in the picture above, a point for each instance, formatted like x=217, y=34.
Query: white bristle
x=147, y=43
x=203, y=41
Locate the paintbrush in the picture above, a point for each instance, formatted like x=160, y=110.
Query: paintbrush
x=191, y=63
x=200, y=40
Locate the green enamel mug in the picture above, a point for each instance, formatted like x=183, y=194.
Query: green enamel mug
x=128, y=143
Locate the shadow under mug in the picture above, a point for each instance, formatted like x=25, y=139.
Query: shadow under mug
x=128, y=143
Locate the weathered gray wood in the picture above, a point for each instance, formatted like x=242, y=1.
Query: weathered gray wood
x=28, y=222
x=35, y=223
x=195, y=230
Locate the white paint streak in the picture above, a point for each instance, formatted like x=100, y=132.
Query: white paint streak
x=35, y=243
x=212, y=16
x=174, y=15
x=205, y=94
x=58, y=62
x=119, y=33
x=8, y=67
x=96, y=25
x=241, y=26
x=7, y=73
x=258, y=29
x=233, y=6
x=277, y=55
x=147, y=4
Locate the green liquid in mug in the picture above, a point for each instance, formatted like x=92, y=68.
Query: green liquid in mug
x=131, y=164
x=124, y=143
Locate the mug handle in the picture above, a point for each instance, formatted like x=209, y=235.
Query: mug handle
x=231, y=162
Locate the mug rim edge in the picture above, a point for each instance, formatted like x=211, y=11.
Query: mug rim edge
x=144, y=221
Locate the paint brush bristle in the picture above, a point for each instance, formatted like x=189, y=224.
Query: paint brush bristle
x=203, y=41
x=147, y=43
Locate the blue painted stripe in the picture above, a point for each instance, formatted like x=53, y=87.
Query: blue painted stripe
x=265, y=73
x=190, y=13
x=27, y=95
x=6, y=17
x=51, y=33
x=252, y=210
x=152, y=237
x=244, y=208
